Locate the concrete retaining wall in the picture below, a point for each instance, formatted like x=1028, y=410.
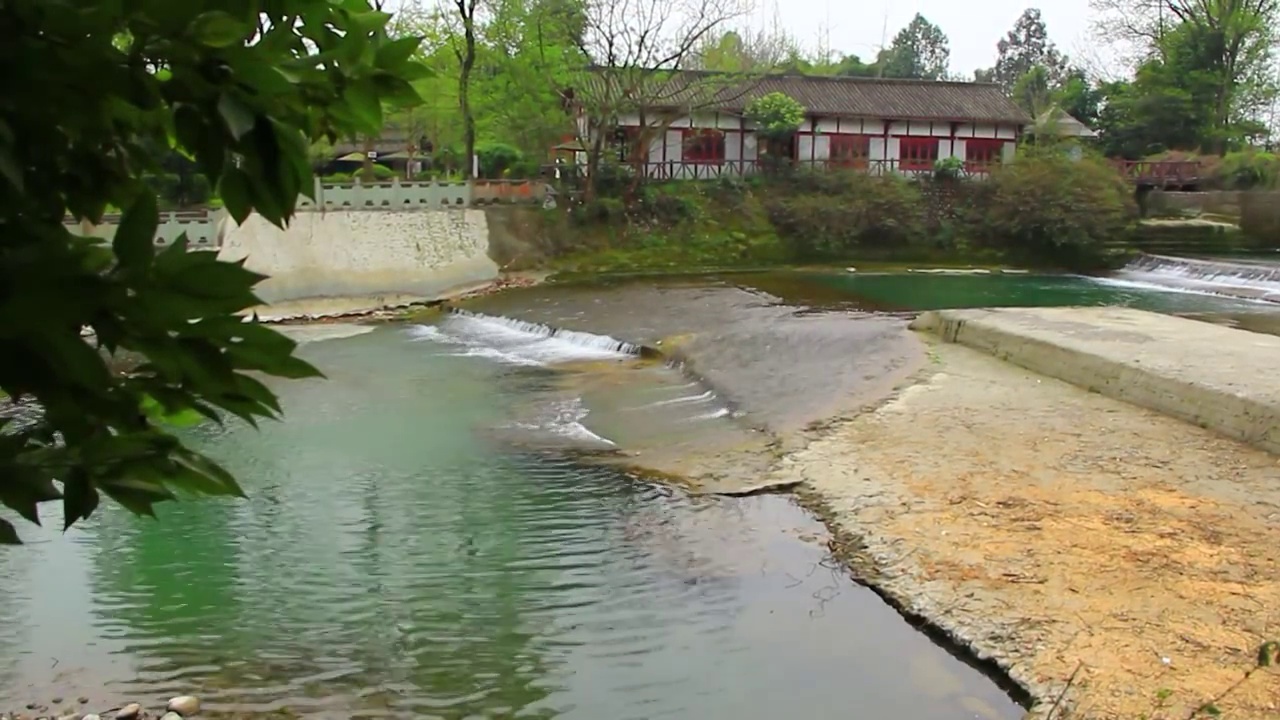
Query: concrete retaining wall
x=354, y=261
x=1215, y=377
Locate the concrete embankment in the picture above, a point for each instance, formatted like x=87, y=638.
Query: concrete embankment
x=341, y=262
x=1215, y=377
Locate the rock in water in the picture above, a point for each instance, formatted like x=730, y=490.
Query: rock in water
x=129, y=712
x=171, y=716
x=184, y=705
x=91, y=716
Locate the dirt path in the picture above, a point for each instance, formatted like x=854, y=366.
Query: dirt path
x=1064, y=534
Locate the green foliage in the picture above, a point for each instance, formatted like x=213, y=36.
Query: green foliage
x=824, y=216
x=1026, y=46
x=1249, y=170
x=497, y=159
x=176, y=191
x=526, y=53
x=775, y=115
x=1202, y=88
x=107, y=91
x=948, y=168
x=1049, y=206
x=920, y=50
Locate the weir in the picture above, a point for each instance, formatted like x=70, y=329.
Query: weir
x=1256, y=280
x=589, y=341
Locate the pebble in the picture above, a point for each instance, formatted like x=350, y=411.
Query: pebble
x=129, y=712
x=92, y=716
x=171, y=716
x=184, y=705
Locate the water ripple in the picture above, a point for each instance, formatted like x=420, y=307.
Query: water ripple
x=392, y=564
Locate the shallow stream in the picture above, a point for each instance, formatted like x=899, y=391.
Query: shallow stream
x=431, y=533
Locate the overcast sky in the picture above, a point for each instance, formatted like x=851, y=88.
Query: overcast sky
x=973, y=27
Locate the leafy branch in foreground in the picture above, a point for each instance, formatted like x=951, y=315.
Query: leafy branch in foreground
x=97, y=95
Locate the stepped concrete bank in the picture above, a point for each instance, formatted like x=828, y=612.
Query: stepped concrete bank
x=350, y=261
x=1215, y=377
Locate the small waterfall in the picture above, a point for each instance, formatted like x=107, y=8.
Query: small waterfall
x=1257, y=280
x=589, y=341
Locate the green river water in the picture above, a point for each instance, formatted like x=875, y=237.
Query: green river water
x=419, y=544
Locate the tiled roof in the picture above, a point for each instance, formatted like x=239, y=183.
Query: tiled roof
x=888, y=98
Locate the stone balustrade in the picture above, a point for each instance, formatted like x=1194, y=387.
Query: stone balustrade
x=201, y=227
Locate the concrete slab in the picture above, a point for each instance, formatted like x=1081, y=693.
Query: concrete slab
x=1220, y=378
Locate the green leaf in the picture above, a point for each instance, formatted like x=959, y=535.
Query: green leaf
x=137, y=496
x=362, y=101
x=79, y=499
x=218, y=29
x=239, y=118
x=235, y=193
x=211, y=478
x=8, y=536
x=25, y=489
x=134, y=243
x=392, y=55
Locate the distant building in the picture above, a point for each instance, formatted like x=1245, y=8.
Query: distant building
x=879, y=124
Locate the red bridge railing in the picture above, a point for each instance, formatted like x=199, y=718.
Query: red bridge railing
x=1160, y=173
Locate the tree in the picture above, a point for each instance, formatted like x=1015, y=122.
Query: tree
x=1024, y=47
x=1033, y=92
x=1080, y=98
x=920, y=50
x=1227, y=43
x=762, y=50
x=106, y=90
x=464, y=48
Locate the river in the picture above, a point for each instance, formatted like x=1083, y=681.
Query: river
x=402, y=555
x=429, y=533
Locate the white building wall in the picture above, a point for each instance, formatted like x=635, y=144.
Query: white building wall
x=744, y=145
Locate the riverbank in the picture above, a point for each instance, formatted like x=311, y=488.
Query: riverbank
x=1115, y=563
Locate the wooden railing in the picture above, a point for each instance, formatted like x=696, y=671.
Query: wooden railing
x=674, y=170
x=1160, y=173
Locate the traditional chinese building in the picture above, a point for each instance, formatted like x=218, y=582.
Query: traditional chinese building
x=878, y=124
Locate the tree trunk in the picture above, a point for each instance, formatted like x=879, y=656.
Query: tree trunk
x=366, y=170
x=464, y=86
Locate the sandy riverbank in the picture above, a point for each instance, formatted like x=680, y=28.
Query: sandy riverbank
x=1062, y=535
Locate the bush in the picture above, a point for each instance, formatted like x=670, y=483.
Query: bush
x=495, y=159
x=831, y=215
x=1249, y=170
x=176, y=191
x=1048, y=207
x=776, y=115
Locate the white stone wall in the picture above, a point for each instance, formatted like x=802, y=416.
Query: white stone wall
x=363, y=259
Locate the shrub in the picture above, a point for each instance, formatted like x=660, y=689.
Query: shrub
x=495, y=159
x=775, y=115
x=179, y=191
x=831, y=215
x=948, y=168
x=1249, y=170
x=1047, y=206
